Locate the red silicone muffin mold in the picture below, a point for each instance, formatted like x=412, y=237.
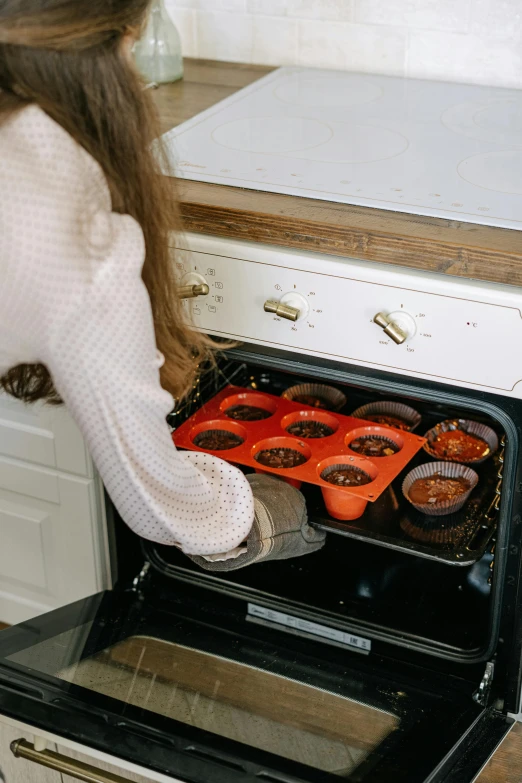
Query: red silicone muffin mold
x=343, y=503
x=340, y=503
x=253, y=399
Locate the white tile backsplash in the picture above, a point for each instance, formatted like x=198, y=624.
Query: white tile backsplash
x=436, y=55
x=426, y=14
x=354, y=47
x=225, y=36
x=335, y=10
x=499, y=19
x=476, y=41
x=275, y=41
x=185, y=21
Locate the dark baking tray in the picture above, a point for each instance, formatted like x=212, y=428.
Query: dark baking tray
x=381, y=522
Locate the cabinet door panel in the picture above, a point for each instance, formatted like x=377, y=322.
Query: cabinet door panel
x=29, y=480
x=23, y=529
x=52, y=542
x=44, y=435
x=14, y=770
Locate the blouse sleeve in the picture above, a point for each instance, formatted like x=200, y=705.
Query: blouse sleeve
x=103, y=359
x=72, y=298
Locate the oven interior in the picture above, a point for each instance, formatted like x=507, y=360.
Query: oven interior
x=374, y=576
x=176, y=652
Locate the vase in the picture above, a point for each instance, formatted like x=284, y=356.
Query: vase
x=158, y=52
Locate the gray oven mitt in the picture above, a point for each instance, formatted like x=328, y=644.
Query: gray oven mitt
x=280, y=529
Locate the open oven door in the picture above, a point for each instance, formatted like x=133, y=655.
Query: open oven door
x=202, y=690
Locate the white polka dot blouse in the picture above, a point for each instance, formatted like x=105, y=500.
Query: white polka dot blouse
x=72, y=298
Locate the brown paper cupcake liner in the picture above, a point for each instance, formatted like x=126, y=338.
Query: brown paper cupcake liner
x=342, y=466
x=408, y=415
x=372, y=436
x=438, y=532
x=448, y=469
x=209, y=433
x=471, y=427
x=334, y=399
x=279, y=448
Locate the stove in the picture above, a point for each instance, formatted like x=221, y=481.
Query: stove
x=428, y=148
x=395, y=652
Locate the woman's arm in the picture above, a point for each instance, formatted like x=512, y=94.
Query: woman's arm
x=103, y=359
x=72, y=298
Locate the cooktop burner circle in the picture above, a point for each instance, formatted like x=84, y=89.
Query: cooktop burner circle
x=272, y=135
x=502, y=116
x=500, y=171
x=496, y=122
x=327, y=89
x=353, y=143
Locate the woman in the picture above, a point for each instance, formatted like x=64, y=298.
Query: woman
x=87, y=300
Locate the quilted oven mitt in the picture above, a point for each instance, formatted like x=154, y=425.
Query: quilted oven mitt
x=280, y=530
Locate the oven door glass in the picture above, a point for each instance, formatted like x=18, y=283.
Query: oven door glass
x=200, y=692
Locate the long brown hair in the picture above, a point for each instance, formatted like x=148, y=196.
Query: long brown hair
x=68, y=57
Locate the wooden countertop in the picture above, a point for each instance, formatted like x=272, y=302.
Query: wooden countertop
x=437, y=245
x=505, y=766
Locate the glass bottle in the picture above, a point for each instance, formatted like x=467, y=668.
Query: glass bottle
x=158, y=52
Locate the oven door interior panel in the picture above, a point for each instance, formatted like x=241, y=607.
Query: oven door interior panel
x=203, y=694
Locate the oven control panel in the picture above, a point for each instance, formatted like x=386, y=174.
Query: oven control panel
x=440, y=328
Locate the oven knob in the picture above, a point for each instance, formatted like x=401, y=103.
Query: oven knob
x=193, y=285
x=291, y=306
x=399, y=326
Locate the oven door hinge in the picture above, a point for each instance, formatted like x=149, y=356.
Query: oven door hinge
x=139, y=581
x=481, y=696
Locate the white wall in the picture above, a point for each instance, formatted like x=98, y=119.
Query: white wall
x=477, y=41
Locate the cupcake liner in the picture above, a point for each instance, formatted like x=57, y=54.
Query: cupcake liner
x=310, y=416
x=248, y=399
x=342, y=465
x=472, y=427
x=320, y=427
x=281, y=444
x=448, y=469
x=375, y=433
x=335, y=399
x=217, y=432
x=409, y=415
x=436, y=532
x=294, y=451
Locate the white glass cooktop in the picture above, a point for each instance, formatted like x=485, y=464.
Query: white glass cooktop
x=428, y=148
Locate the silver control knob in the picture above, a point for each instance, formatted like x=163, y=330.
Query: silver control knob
x=282, y=310
x=399, y=326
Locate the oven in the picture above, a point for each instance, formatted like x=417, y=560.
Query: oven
x=392, y=654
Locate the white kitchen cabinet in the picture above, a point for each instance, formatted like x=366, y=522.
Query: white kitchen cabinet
x=17, y=770
x=43, y=434
x=13, y=770
x=53, y=532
